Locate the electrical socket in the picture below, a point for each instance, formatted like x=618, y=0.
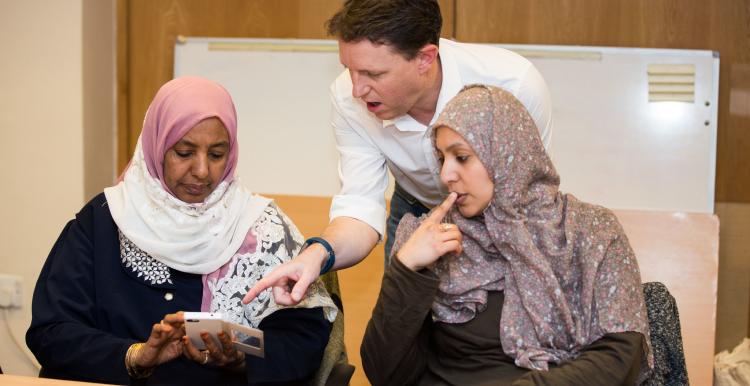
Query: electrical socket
x=10, y=291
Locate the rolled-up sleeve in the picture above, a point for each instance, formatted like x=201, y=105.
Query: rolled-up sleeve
x=362, y=171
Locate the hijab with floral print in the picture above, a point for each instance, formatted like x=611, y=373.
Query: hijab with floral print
x=567, y=270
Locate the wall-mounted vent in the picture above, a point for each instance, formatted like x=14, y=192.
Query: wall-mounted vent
x=671, y=82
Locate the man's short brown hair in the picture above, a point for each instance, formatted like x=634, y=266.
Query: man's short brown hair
x=406, y=25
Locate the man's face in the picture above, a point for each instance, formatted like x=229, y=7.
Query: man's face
x=389, y=84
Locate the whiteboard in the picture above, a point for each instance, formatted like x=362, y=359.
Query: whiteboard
x=610, y=144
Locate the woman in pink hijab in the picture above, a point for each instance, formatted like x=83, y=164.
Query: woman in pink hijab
x=178, y=232
x=508, y=281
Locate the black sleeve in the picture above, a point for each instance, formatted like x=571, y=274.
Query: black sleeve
x=396, y=342
x=615, y=359
x=63, y=334
x=295, y=339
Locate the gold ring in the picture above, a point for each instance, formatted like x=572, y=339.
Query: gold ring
x=445, y=227
x=205, y=359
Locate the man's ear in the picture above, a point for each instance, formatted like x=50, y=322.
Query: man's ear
x=427, y=56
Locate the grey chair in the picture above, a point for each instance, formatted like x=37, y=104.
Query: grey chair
x=666, y=337
x=335, y=369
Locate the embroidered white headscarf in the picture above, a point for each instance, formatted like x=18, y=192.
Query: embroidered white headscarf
x=194, y=238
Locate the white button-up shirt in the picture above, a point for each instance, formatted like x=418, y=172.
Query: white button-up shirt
x=367, y=144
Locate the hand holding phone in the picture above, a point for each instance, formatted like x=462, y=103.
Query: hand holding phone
x=245, y=339
x=198, y=322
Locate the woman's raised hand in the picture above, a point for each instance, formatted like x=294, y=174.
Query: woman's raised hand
x=432, y=239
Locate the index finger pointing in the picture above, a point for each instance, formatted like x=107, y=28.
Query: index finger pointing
x=262, y=284
x=441, y=210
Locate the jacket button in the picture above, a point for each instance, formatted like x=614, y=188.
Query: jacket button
x=168, y=296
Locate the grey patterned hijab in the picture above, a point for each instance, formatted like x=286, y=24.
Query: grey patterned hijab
x=566, y=267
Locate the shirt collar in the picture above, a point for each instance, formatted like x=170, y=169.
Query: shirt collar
x=451, y=85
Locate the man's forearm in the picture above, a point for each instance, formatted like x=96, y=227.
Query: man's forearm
x=351, y=239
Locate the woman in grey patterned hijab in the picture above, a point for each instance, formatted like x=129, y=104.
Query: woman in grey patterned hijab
x=566, y=268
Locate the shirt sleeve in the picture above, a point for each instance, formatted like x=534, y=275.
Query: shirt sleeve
x=362, y=171
x=63, y=334
x=396, y=343
x=534, y=94
x=615, y=359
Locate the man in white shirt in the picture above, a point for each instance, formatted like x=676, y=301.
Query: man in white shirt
x=399, y=75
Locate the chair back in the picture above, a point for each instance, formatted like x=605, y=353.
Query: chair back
x=335, y=369
x=666, y=337
x=681, y=250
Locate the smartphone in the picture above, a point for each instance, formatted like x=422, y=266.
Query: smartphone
x=197, y=322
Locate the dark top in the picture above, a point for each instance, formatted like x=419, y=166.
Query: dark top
x=403, y=346
x=88, y=309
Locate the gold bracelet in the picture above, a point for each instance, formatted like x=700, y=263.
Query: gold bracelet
x=134, y=370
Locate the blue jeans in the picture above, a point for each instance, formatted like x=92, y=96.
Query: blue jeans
x=401, y=204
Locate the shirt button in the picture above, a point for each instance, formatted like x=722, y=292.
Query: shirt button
x=168, y=296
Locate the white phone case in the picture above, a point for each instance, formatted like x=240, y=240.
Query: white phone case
x=197, y=322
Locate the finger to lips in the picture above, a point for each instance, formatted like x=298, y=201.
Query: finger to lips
x=441, y=210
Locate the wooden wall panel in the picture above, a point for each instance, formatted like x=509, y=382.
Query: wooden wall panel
x=733, y=311
x=731, y=37
x=123, y=102
x=637, y=23
x=722, y=26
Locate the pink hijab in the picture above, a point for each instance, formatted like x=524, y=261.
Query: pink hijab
x=566, y=268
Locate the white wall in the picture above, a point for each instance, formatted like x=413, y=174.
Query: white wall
x=42, y=131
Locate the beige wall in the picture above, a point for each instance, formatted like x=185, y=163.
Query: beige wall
x=42, y=124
